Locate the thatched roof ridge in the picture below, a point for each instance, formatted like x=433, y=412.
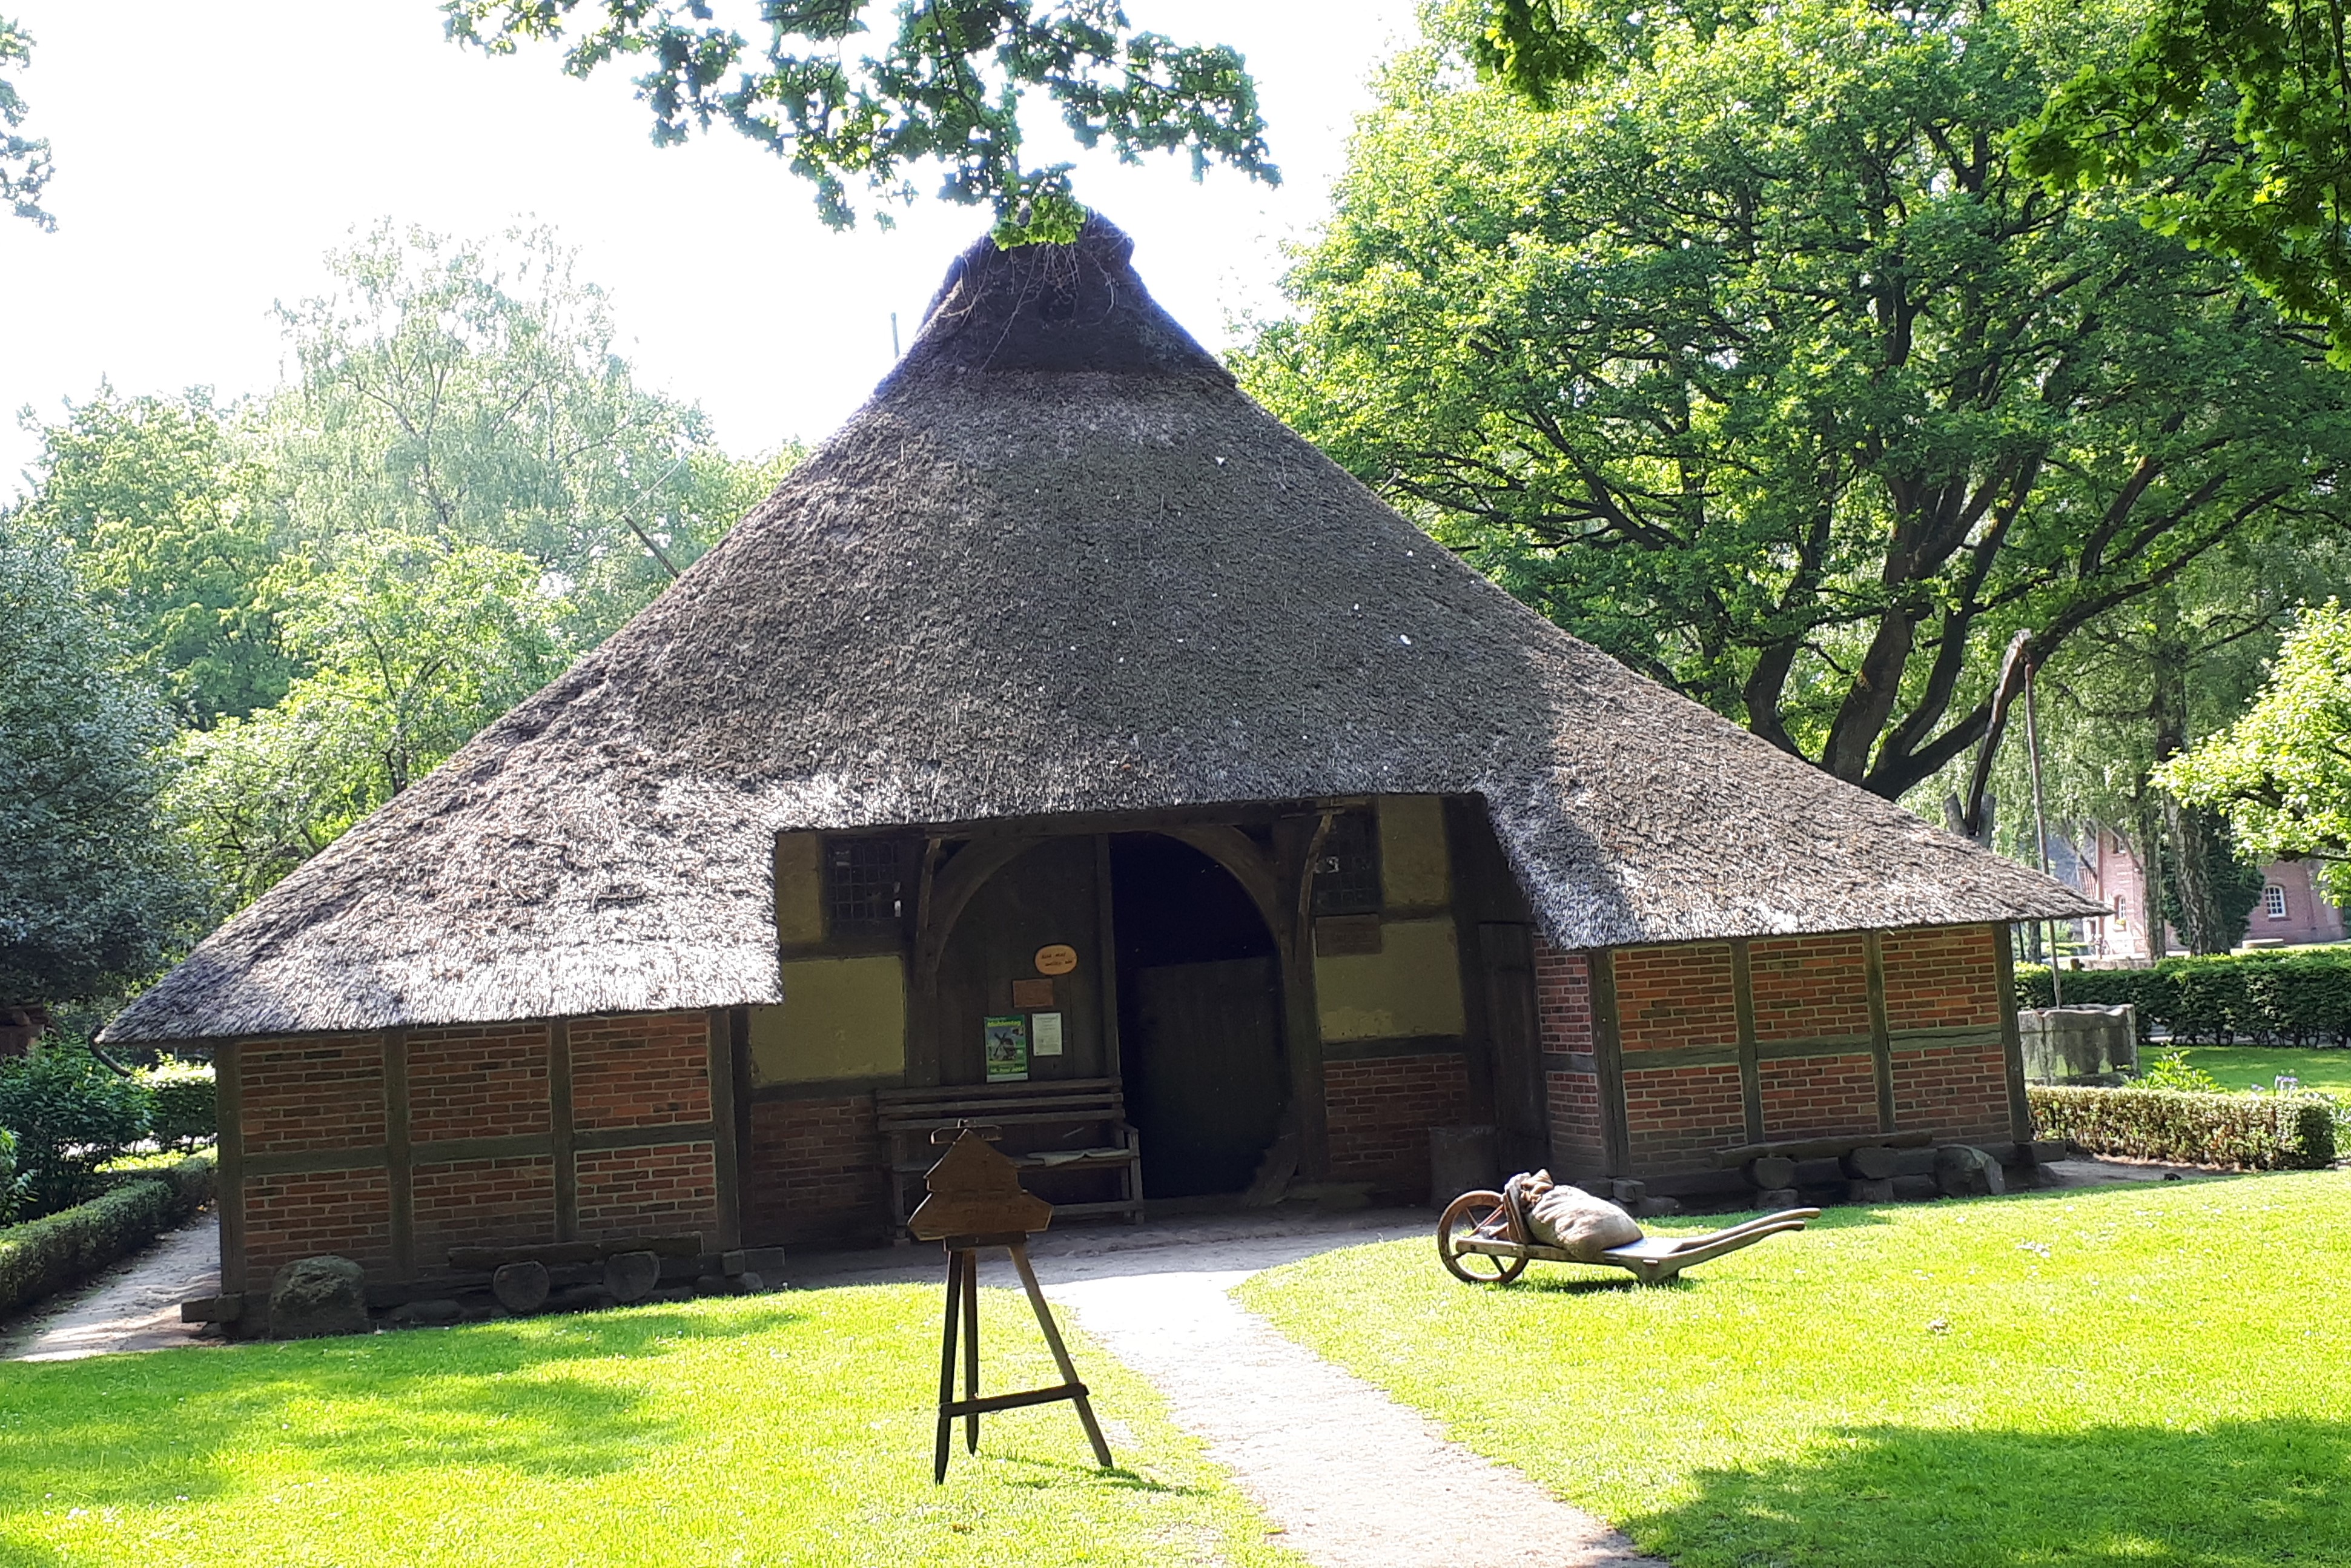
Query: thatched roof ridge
x=1058, y=563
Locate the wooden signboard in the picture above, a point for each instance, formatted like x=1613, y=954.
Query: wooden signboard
x=976, y=1200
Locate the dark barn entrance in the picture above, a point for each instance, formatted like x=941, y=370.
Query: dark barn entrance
x=1199, y=1016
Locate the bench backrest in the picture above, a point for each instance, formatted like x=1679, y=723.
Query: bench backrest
x=1039, y=1100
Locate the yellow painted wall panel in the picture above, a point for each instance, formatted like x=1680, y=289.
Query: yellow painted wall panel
x=1412, y=987
x=841, y=1017
x=1414, y=869
x=799, y=888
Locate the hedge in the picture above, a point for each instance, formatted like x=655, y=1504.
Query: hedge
x=181, y=1102
x=43, y=1256
x=2242, y=1131
x=2261, y=998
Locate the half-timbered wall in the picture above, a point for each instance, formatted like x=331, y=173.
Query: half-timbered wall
x=391, y=1148
x=1658, y=1058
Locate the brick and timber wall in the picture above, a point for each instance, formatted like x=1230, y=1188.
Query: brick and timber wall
x=1570, y=1071
x=1379, y=1109
x=391, y=1148
x=1658, y=1058
x=1944, y=991
x=813, y=1171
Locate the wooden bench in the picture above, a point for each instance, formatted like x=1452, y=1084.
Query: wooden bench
x=1093, y=1110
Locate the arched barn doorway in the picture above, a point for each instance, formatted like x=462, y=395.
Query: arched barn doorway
x=1200, y=1002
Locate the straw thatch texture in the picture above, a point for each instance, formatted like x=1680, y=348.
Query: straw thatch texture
x=1058, y=563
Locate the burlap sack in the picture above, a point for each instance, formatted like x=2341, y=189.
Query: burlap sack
x=1578, y=1224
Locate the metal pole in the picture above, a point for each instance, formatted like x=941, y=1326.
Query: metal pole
x=2040, y=823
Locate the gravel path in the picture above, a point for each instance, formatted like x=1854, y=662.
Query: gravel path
x=1354, y=1479
x=135, y=1305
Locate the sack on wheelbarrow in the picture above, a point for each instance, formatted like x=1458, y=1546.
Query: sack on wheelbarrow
x=1570, y=1218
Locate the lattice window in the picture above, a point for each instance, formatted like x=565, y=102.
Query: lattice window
x=864, y=887
x=2273, y=901
x=1347, y=874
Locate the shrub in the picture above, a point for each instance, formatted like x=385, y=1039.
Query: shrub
x=2265, y=999
x=70, y=1114
x=190, y=1177
x=2242, y=1131
x=181, y=1097
x=7, y=1175
x=45, y=1255
x=2172, y=1070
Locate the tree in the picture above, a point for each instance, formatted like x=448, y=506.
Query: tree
x=24, y=166
x=2282, y=774
x=169, y=516
x=945, y=90
x=1757, y=363
x=471, y=394
x=413, y=645
x=95, y=892
x=2268, y=183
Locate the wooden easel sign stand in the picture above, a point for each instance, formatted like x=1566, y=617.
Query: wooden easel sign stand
x=976, y=1200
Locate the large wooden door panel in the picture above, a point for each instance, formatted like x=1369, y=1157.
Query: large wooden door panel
x=1205, y=1076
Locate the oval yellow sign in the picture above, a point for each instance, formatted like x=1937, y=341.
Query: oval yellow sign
x=1058, y=959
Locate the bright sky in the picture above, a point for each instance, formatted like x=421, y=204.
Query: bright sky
x=207, y=155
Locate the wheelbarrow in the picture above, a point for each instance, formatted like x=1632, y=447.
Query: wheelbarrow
x=1482, y=1240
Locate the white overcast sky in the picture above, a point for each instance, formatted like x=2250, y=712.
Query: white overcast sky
x=208, y=154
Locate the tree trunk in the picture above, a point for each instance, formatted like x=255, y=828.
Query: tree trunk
x=2187, y=835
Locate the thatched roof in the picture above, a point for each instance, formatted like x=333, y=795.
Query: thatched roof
x=1058, y=563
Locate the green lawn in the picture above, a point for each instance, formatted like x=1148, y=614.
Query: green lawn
x=2152, y=1375
x=792, y=1428
x=2256, y=1066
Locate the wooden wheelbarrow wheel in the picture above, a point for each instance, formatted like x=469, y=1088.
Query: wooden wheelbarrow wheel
x=1466, y=1213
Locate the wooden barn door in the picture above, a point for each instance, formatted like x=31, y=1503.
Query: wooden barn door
x=1204, y=1078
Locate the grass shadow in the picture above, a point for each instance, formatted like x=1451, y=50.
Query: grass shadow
x=2229, y=1495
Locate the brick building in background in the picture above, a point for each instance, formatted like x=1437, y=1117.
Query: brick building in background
x=2294, y=908
x=1065, y=718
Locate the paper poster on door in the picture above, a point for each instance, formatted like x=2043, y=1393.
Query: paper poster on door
x=1045, y=1033
x=1005, y=1049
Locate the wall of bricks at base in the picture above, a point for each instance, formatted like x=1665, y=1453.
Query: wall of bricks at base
x=1379, y=1113
x=1956, y=1095
x=812, y=1170
x=1676, y=1117
x=1820, y=1097
x=481, y=1203
x=348, y=1213
x=1573, y=1100
x=665, y=1188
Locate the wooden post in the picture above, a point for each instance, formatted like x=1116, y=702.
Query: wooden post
x=398, y=1184
x=1608, y=1062
x=2012, y=1044
x=1297, y=842
x=1750, y=1062
x=228, y=1145
x=1106, y=938
x=559, y=1097
x=726, y=1171
x=1881, y=1039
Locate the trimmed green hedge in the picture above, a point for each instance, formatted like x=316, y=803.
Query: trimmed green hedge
x=2259, y=998
x=2242, y=1131
x=43, y=1256
x=180, y=1101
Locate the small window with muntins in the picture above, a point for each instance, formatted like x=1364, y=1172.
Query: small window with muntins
x=864, y=887
x=2273, y=901
x=1347, y=871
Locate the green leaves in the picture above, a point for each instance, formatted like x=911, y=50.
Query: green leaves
x=94, y=891
x=1757, y=364
x=2267, y=185
x=25, y=167
x=946, y=89
x=2281, y=773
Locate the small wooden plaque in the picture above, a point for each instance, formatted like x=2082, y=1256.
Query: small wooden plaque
x=1058, y=959
x=976, y=1191
x=1033, y=993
